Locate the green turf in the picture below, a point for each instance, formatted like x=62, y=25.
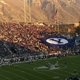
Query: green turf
x=26, y=71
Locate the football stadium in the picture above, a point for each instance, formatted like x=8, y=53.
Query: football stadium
x=40, y=53
x=67, y=68
x=39, y=40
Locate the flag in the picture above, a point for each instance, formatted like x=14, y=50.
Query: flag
x=55, y=16
x=57, y=41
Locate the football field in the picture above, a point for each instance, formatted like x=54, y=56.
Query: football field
x=38, y=70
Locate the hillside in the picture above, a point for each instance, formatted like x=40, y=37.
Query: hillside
x=68, y=11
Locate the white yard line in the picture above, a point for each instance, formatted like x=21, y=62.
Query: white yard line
x=35, y=71
x=40, y=70
x=67, y=71
x=27, y=73
x=46, y=70
x=44, y=73
x=5, y=77
x=59, y=73
x=14, y=74
x=75, y=64
x=74, y=68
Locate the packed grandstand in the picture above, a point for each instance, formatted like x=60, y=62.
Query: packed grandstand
x=19, y=39
x=26, y=42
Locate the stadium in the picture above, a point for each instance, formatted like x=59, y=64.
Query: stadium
x=38, y=50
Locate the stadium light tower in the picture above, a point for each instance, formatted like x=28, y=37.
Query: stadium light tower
x=29, y=10
x=25, y=11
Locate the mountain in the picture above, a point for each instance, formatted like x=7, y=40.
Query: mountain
x=68, y=11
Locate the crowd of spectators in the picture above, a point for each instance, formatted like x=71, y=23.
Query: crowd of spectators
x=20, y=38
x=73, y=78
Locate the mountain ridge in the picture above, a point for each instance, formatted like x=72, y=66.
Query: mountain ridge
x=40, y=11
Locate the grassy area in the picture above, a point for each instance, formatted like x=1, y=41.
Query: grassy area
x=33, y=71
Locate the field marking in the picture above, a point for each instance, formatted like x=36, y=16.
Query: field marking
x=15, y=74
x=40, y=72
x=72, y=73
x=57, y=73
x=63, y=70
x=46, y=70
x=71, y=66
x=5, y=77
x=51, y=77
x=35, y=71
x=52, y=68
x=31, y=74
x=71, y=69
x=74, y=64
x=28, y=73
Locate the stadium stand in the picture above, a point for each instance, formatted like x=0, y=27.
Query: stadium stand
x=19, y=39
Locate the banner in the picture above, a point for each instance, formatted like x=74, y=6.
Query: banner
x=57, y=41
x=77, y=41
